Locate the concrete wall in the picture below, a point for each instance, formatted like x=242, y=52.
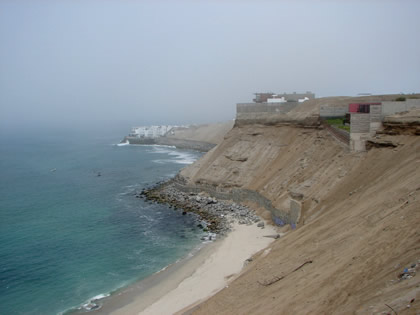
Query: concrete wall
x=328, y=111
x=295, y=210
x=390, y=108
x=265, y=107
x=375, y=118
x=359, y=123
x=359, y=131
x=375, y=113
x=358, y=141
x=342, y=135
x=270, y=114
x=274, y=119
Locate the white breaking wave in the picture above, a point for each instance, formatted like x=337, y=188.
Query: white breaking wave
x=159, y=146
x=161, y=161
x=161, y=149
x=100, y=296
x=183, y=157
x=123, y=143
x=175, y=156
x=92, y=304
x=183, y=161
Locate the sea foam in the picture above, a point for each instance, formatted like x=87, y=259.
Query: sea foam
x=123, y=144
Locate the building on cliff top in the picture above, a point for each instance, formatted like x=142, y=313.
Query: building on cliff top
x=270, y=106
x=150, y=131
x=269, y=97
x=365, y=119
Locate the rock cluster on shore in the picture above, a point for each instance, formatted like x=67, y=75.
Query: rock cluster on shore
x=215, y=216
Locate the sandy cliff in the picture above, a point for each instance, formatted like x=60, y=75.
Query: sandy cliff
x=210, y=133
x=197, y=137
x=357, y=232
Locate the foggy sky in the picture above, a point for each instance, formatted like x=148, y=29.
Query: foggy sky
x=144, y=62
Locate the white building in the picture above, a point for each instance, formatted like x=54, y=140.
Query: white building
x=276, y=99
x=150, y=131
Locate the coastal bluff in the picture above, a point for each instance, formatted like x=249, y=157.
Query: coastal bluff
x=354, y=248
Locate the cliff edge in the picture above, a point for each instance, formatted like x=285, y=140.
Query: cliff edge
x=197, y=137
x=355, y=248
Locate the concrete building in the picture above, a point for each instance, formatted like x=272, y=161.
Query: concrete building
x=366, y=119
x=150, y=131
x=276, y=99
x=263, y=97
x=270, y=97
x=269, y=107
x=361, y=107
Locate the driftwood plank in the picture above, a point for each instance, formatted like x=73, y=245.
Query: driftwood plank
x=276, y=279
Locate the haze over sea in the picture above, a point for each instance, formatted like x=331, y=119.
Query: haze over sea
x=67, y=234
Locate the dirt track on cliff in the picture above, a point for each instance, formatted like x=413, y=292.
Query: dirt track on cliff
x=359, y=226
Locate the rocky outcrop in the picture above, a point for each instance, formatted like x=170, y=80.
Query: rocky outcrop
x=392, y=127
x=217, y=216
x=406, y=123
x=186, y=144
x=178, y=143
x=135, y=140
x=379, y=143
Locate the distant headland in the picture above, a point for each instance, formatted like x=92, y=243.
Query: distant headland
x=195, y=137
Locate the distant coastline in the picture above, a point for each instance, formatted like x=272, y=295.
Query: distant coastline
x=195, y=137
x=178, y=143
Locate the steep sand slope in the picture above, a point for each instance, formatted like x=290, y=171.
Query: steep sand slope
x=274, y=161
x=359, y=227
x=210, y=133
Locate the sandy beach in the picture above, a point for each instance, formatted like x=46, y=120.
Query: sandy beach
x=192, y=281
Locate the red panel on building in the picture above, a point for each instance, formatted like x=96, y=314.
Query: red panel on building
x=361, y=107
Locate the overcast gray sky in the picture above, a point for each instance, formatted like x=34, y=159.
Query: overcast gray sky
x=136, y=62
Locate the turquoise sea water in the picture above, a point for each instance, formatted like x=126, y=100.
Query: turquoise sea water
x=67, y=234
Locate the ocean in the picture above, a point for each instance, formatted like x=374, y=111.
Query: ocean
x=71, y=228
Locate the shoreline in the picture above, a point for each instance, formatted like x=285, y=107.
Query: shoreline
x=147, y=290
x=183, y=144
x=192, y=280
x=238, y=233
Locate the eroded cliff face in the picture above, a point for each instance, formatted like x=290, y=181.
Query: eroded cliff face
x=407, y=123
x=358, y=224
x=279, y=162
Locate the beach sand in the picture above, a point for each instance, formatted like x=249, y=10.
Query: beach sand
x=192, y=281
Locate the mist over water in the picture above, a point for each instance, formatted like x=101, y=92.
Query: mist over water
x=94, y=62
x=68, y=235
